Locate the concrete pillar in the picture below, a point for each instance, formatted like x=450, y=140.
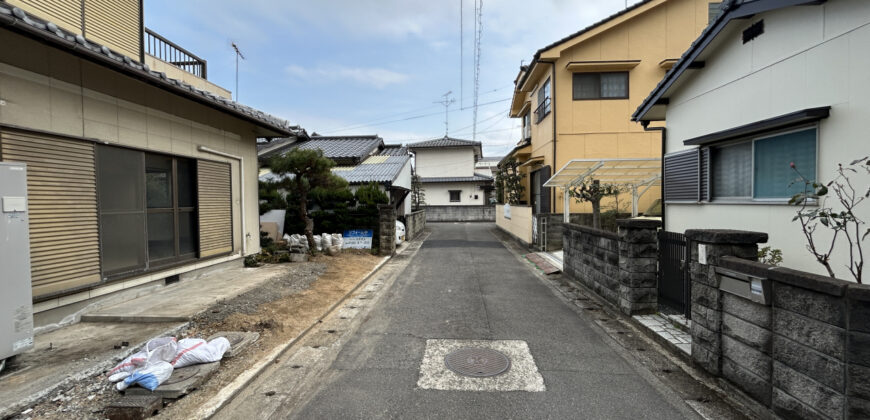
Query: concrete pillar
x=706, y=247
x=387, y=229
x=638, y=259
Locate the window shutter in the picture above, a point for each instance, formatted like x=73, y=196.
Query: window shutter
x=681, y=176
x=62, y=202
x=214, y=193
x=704, y=182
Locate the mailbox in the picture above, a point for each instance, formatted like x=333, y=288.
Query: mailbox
x=756, y=289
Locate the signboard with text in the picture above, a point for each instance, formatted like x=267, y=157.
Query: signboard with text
x=358, y=238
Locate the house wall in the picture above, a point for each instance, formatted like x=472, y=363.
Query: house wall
x=173, y=72
x=603, y=128
x=448, y=161
x=438, y=194
x=49, y=90
x=519, y=224
x=113, y=23
x=404, y=180
x=807, y=57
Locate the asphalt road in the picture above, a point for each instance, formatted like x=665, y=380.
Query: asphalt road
x=463, y=284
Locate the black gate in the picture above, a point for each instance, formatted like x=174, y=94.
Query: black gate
x=675, y=290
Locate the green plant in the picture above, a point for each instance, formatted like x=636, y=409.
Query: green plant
x=418, y=194
x=770, y=256
x=371, y=195
x=509, y=182
x=309, y=170
x=842, y=223
x=592, y=191
x=252, y=261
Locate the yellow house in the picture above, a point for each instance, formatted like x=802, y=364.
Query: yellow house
x=576, y=96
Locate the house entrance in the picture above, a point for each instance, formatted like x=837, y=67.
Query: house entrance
x=674, y=287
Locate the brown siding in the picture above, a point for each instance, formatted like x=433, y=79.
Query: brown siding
x=215, y=208
x=66, y=14
x=62, y=199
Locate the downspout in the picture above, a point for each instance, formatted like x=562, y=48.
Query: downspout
x=664, y=132
x=241, y=190
x=553, y=105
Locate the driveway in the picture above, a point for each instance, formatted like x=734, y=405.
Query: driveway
x=464, y=288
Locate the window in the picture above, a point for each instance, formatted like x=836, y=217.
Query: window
x=527, y=126
x=147, y=209
x=601, y=85
x=543, y=102
x=455, y=196
x=760, y=168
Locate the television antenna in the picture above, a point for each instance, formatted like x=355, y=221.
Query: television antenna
x=238, y=54
x=446, y=102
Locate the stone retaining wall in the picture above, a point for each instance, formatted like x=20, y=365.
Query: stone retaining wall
x=460, y=213
x=805, y=353
x=555, y=227
x=415, y=222
x=387, y=229
x=619, y=267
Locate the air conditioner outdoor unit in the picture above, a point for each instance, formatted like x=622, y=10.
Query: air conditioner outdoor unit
x=16, y=308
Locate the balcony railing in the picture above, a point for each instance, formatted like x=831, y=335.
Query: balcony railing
x=166, y=50
x=542, y=110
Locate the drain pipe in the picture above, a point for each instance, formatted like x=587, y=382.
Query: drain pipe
x=241, y=190
x=664, y=131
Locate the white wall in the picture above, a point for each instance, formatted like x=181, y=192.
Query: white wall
x=404, y=180
x=438, y=194
x=454, y=161
x=808, y=57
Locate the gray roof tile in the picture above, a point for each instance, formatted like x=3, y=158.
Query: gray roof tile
x=475, y=178
x=344, y=150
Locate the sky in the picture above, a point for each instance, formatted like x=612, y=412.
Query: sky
x=353, y=67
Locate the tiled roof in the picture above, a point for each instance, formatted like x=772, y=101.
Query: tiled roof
x=394, y=150
x=266, y=150
x=379, y=168
x=475, y=178
x=344, y=150
x=444, y=142
x=15, y=19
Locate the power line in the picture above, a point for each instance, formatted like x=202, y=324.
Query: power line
x=461, y=58
x=413, y=117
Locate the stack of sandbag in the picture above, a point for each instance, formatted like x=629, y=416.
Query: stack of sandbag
x=193, y=351
x=154, y=364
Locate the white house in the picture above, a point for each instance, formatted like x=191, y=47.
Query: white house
x=487, y=165
x=446, y=168
x=768, y=83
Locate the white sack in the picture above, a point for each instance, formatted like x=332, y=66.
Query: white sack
x=161, y=349
x=192, y=351
x=149, y=377
x=318, y=242
x=337, y=240
x=326, y=240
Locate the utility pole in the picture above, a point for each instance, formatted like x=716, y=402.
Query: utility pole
x=238, y=54
x=446, y=102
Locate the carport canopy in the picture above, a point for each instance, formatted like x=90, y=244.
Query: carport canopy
x=638, y=173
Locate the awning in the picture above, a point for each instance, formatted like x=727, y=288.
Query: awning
x=634, y=173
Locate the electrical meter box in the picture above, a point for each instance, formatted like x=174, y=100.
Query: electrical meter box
x=16, y=307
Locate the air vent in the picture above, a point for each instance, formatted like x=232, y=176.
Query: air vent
x=753, y=31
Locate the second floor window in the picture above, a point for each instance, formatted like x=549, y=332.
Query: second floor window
x=527, y=123
x=543, y=102
x=601, y=85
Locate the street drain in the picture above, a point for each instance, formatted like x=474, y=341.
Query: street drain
x=477, y=362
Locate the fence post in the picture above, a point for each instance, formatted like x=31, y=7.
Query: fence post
x=387, y=235
x=706, y=247
x=638, y=258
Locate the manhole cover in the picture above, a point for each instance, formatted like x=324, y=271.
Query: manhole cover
x=477, y=362
x=182, y=374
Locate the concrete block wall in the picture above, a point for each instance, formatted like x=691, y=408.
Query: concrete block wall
x=805, y=354
x=620, y=267
x=415, y=222
x=460, y=213
x=387, y=229
x=555, y=227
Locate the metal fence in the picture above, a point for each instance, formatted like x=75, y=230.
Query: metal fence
x=168, y=51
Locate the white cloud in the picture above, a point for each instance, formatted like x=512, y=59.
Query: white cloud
x=369, y=76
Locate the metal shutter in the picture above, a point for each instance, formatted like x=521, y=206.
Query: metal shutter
x=681, y=176
x=62, y=199
x=215, y=208
x=704, y=170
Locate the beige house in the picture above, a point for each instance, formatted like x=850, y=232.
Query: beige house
x=139, y=169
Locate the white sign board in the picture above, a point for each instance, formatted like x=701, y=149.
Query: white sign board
x=358, y=238
x=507, y=211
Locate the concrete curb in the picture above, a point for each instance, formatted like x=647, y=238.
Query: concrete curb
x=229, y=392
x=94, y=370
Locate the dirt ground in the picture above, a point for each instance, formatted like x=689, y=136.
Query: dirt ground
x=278, y=310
